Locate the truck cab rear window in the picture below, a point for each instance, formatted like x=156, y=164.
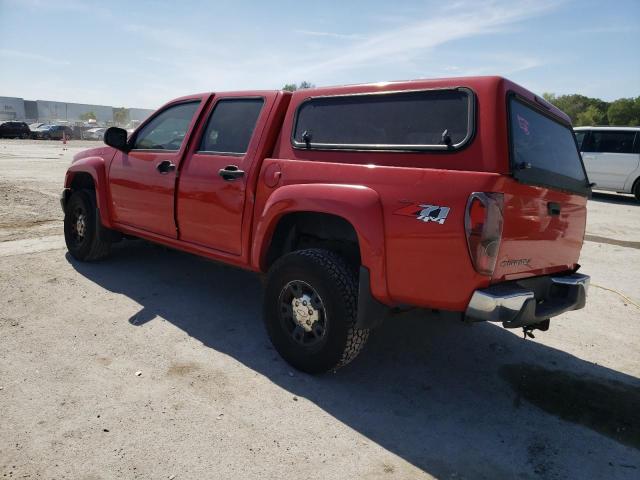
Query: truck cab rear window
x=543, y=150
x=417, y=120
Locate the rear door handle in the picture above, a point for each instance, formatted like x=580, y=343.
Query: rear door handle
x=230, y=172
x=165, y=167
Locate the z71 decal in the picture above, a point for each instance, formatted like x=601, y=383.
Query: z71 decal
x=425, y=213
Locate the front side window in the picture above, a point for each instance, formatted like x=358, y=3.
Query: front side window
x=231, y=126
x=543, y=150
x=413, y=120
x=610, y=142
x=167, y=130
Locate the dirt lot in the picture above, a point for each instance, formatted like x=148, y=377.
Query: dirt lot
x=429, y=396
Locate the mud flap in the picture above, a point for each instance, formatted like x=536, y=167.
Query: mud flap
x=104, y=233
x=371, y=313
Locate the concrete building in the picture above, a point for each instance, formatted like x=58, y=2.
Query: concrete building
x=72, y=112
x=30, y=111
x=139, y=114
x=46, y=111
x=11, y=108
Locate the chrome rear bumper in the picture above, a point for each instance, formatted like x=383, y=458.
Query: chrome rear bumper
x=530, y=301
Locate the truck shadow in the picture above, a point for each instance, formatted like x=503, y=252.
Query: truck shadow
x=456, y=401
x=620, y=199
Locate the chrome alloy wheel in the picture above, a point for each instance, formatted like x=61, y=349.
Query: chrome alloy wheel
x=302, y=313
x=79, y=225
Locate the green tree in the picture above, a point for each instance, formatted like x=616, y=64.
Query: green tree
x=88, y=116
x=121, y=116
x=575, y=104
x=292, y=87
x=591, y=116
x=624, y=111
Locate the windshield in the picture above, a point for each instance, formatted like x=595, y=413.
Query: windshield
x=544, y=151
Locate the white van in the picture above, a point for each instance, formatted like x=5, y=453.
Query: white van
x=611, y=156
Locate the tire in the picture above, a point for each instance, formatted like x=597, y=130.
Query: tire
x=320, y=335
x=636, y=189
x=81, y=226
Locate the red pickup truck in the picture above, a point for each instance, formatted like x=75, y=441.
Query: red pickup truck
x=460, y=194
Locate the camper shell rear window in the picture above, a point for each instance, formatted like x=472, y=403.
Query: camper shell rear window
x=543, y=149
x=440, y=119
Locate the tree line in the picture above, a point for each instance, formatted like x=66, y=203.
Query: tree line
x=587, y=111
x=584, y=111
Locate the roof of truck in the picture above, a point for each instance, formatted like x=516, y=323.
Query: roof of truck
x=485, y=83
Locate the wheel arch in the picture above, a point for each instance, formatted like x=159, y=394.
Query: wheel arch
x=635, y=187
x=345, y=208
x=89, y=174
x=300, y=230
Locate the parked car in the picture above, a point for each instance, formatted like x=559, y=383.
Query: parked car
x=94, y=133
x=54, y=132
x=13, y=129
x=356, y=202
x=35, y=126
x=611, y=156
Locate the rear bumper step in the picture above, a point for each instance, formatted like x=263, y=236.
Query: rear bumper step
x=528, y=302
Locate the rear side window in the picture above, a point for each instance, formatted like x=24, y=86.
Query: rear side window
x=231, y=126
x=420, y=120
x=610, y=142
x=543, y=150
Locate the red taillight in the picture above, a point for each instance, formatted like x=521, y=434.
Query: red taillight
x=483, y=225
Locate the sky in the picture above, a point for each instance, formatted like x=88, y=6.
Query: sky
x=144, y=53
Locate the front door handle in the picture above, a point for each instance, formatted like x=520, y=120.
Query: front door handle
x=230, y=172
x=165, y=167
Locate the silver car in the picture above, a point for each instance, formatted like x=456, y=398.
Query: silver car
x=611, y=156
x=94, y=133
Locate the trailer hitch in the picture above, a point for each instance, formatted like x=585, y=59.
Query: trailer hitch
x=527, y=330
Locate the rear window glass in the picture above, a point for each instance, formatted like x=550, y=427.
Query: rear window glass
x=610, y=142
x=231, y=125
x=431, y=119
x=543, y=150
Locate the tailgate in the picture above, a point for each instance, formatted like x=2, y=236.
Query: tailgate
x=542, y=232
x=545, y=202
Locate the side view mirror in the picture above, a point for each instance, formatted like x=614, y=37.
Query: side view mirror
x=117, y=138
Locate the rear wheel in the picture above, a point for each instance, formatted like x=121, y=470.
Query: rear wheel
x=310, y=308
x=81, y=226
x=636, y=189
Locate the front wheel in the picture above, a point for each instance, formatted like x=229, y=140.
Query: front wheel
x=81, y=228
x=310, y=308
x=636, y=190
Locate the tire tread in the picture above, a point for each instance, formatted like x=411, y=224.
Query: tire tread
x=344, y=277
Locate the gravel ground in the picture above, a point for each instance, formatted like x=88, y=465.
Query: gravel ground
x=154, y=364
